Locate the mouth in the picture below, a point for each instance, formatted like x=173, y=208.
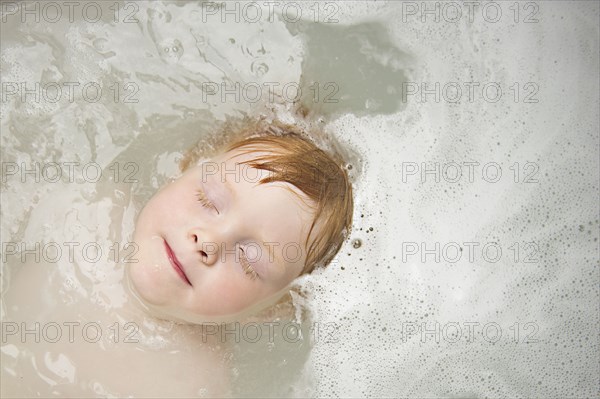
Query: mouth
x=175, y=263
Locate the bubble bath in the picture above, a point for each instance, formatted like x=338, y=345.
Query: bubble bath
x=472, y=268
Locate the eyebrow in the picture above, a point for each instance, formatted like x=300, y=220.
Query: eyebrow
x=228, y=188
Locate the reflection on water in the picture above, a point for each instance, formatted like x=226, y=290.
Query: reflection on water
x=371, y=86
x=164, y=84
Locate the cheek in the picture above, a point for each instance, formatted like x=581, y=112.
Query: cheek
x=148, y=281
x=226, y=294
x=170, y=204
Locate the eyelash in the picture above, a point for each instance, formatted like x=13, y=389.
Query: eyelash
x=246, y=266
x=205, y=201
x=244, y=261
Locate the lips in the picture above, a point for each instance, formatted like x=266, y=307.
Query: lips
x=175, y=263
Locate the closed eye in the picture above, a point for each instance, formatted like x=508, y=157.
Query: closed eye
x=205, y=201
x=249, y=270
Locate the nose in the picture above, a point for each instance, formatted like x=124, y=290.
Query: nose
x=207, y=248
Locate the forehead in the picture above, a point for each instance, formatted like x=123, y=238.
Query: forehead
x=230, y=166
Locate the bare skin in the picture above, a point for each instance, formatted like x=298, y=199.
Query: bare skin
x=237, y=243
x=152, y=348
x=135, y=354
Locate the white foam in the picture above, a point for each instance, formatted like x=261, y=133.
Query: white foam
x=377, y=294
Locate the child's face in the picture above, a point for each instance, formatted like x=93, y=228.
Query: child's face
x=238, y=247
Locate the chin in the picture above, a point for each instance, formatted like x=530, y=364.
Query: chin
x=145, y=285
x=198, y=316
